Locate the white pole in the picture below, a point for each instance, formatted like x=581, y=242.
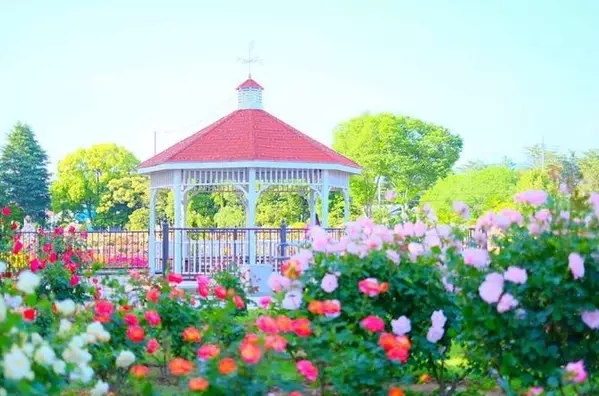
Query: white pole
x=178, y=262
x=152, y=237
x=325, y=199
x=251, y=215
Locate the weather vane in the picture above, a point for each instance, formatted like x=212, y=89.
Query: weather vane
x=249, y=60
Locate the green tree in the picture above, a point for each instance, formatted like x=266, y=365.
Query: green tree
x=125, y=195
x=201, y=211
x=24, y=176
x=396, y=152
x=83, y=179
x=589, y=168
x=274, y=207
x=490, y=188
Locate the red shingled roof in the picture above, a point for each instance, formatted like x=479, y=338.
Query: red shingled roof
x=249, y=83
x=249, y=135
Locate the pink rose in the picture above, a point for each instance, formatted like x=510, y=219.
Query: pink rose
x=506, y=303
x=535, y=391
x=591, y=319
x=370, y=287
x=515, y=275
x=307, y=369
x=419, y=229
x=576, y=371
x=438, y=319
x=461, y=209
x=478, y=258
x=576, y=265
x=401, y=325
x=434, y=334
x=373, y=324
x=265, y=301
x=329, y=283
x=533, y=197
x=393, y=256
x=278, y=282
x=490, y=290
x=152, y=318
x=415, y=249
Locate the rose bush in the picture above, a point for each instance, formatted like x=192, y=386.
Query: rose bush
x=530, y=308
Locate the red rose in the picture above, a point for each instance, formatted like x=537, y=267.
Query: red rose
x=74, y=281
x=35, y=265
x=175, y=278
x=220, y=292
x=6, y=211
x=136, y=333
x=17, y=247
x=130, y=319
x=153, y=295
x=152, y=346
x=29, y=314
x=239, y=304
x=104, y=308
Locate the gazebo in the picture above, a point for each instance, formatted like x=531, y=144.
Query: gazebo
x=248, y=151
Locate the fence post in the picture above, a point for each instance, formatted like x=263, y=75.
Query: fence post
x=165, y=254
x=283, y=239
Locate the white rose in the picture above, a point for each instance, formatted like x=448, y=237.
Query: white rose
x=3, y=392
x=28, y=348
x=97, y=331
x=17, y=365
x=76, y=355
x=100, y=389
x=88, y=338
x=2, y=309
x=66, y=307
x=82, y=373
x=13, y=301
x=28, y=282
x=45, y=355
x=125, y=359
x=59, y=367
x=36, y=339
x=65, y=327
x=2, y=267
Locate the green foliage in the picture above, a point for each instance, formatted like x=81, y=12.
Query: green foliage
x=84, y=178
x=589, y=167
x=409, y=154
x=24, y=176
x=274, y=208
x=483, y=189
x=123, y=197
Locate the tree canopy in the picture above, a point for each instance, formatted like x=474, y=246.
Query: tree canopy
x=24, y=176
x=489, y=188
x=396, y=152
x=84, y=177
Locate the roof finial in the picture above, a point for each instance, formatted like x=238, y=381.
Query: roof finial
x=249, y=60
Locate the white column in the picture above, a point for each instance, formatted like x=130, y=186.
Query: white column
x=184, y=236
x=152, y=237
x=312, y=206
x=324, y=222
x=178, y=261
x=250, y=221
x=346, y=206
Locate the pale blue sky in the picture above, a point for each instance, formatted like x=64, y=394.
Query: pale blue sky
x=502, y=74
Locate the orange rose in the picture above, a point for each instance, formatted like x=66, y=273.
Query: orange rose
x=139, y=370
x=198, y=384
x=250, y=353
x=384, y=287
x=425, y=379
x=387, y=341
x=191, y=334
x=404, y=342
x=395, y=391
x=226, y=366
x=316, y=307
x=179, y=366
x=284, y=323
x=301, y=327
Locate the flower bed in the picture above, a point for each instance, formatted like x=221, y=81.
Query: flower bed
x=374, y=313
